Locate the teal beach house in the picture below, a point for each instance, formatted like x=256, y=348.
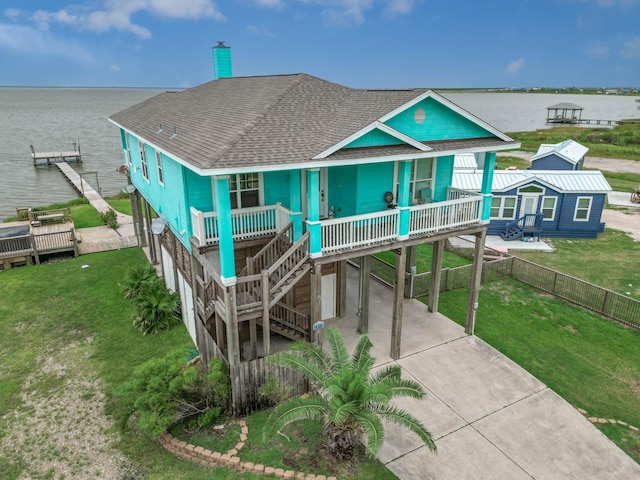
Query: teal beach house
x=267, y=185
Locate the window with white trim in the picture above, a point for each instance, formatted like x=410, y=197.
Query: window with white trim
x=244, y=190
x=420, y=185
x=127, y=152
x=143, y=162
x=503, y=207
x=549, y=207
x=583, y=209
x=159, y=168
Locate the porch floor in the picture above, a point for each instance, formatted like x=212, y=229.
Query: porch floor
x=489, y=417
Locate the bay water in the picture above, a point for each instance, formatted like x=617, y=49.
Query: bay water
x=52, y=119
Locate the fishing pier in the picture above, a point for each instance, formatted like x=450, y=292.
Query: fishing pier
x=570, y=113
x=49, y=158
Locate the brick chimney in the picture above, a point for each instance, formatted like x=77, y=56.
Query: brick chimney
x=221, y=61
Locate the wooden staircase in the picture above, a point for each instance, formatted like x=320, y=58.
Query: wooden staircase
x=280, y=265
x=529, y=224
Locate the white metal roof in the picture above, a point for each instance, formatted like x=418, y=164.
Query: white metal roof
x=465, y=161
x=570, y=150
x=573, y=181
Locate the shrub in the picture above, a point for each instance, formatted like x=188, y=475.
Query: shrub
x=110, y=218
x=156, y=308
x=137, y=278
x=165, y=390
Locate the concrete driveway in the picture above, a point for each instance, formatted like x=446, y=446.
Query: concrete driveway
x=490, y=419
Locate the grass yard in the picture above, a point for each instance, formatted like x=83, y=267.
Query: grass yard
x=611, y=261
x=423, y=259
x=591, y=362
x=65, y=346
x=622, y=141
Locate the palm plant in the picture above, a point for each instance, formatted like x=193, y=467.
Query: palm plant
x=156, y=308
x=351, y=400
x=136, y=278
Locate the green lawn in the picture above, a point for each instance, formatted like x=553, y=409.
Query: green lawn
x=622, y=141
x=593, y=363
x=82, y=321
x=611, y=261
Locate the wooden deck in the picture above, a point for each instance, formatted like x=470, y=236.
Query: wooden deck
x=44, y=239
x=50, y=158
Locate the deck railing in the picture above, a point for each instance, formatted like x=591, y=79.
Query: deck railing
x=359, y=230
x=247, y=223
x=463, y=208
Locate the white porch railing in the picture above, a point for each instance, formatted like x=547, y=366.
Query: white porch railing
x=246, y=223
x=360, y=230
x=462, y=208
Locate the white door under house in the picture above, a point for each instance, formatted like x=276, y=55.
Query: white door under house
x=328, y=296
x=186, y=302
x=167, y=270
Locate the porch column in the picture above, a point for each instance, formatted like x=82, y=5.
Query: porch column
x=363, y=294
x=398, y=290
x=152, y=244
x=436, y=274
x=295, y=203
x=316, y=301
x=313, y=212
x=231, y=312
x=225, y=231
x=487, y=180
x=476, y=277
x=410, y=272
x=404, y=177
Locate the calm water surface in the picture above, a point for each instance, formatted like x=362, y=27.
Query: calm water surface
x=53, y=118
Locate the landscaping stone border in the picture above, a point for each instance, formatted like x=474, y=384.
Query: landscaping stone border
x=610, y=421
x=230, y=459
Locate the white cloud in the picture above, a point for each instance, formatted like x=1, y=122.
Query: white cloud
x=12, y=13
x=515, y=66
x=117, y=15
x=631, y=48
x=114, y=68
x=598, y=49
x=275, y=4
x=399, y=7
x=27, y=40
x=259, y=30
x=349, y=12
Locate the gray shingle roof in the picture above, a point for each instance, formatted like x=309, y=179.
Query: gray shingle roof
x=242, y=122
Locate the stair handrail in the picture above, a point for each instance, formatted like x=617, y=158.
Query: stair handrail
x=250, y=267
x=302, y=245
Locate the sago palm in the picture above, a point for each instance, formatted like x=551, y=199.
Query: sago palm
x=350, y=399
x=156, y=308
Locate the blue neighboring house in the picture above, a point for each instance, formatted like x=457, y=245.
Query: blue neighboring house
x=532, y=203
x=566, y=155
x=265, y=186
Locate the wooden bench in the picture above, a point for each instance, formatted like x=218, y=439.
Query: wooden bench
x=52, y=216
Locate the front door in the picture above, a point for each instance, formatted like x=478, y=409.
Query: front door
x=529, y=204
x=323, y=194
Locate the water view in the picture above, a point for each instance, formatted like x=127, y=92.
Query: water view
x=52, y=119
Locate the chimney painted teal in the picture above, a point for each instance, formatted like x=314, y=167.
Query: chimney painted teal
x=221, y=61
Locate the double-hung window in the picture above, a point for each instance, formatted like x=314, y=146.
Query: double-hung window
x=244, y=190
x=421, y=173
x=143, y=161
x=549, y=207
x=503, y=207
x=583, y=209
x=159, y=168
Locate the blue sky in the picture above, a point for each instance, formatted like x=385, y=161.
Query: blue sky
x=358, y=43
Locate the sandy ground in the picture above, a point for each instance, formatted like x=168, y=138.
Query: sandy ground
x=627, y=221
x=61, y=431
